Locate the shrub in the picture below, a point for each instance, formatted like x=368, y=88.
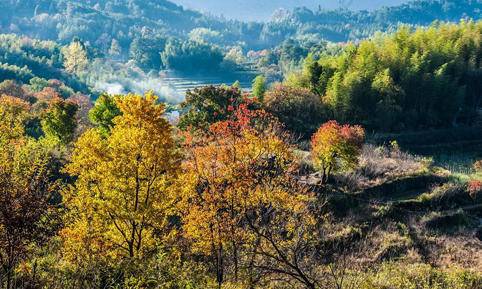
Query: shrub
x=12, y=88
x=377, y=165
x=478, y=166
x=300, y=110
x=474, y=187
x=446, y=196
x=447, y=222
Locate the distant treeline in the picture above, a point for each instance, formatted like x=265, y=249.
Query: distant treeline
x=159, y=34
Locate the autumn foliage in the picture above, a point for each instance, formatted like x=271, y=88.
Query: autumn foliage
x=335, y=147
x=130, y=201
x=236, y=171
x=27, y=184
x=121, y=197
x=13, y=115
x=475, y=188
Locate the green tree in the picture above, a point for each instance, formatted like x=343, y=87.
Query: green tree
x=103, y=113
x=207, y=105
x=204, y=35
x=146, y=51
x=391, y=97
x=59, y=121
x=115, y=48
x=237, y=85
x=191, y=56
x=259, y=87
x=427, y=74
x=37, y=84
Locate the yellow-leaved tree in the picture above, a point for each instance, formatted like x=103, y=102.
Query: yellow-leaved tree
x=119, y=203
x=13, y=114
x=76, y=59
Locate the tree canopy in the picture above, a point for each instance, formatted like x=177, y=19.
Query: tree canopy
x=409, y=80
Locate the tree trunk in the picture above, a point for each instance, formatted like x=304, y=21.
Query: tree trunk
x=220, y=268
x=235, y=256
x=9, y=278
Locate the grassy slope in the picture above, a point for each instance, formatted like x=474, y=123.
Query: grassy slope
x=398, y=207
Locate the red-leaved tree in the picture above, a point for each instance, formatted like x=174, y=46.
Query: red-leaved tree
x=336, y=147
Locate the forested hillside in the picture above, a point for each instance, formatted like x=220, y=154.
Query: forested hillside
x=346, y=25
x=158, y=34
x=409, y=80
x=282, y=186
x=25, y=60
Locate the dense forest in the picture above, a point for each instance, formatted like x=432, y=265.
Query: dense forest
x=353, y=162
x=24, y=59
x=424, y=79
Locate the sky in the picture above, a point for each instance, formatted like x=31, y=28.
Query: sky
x=263, y=9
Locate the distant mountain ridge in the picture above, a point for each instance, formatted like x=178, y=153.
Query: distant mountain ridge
x=263, y=10
x=342, y=25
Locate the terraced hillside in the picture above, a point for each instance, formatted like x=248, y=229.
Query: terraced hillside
x=416, y=213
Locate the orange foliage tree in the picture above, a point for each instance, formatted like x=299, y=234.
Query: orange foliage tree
x=236, y=172
x=336, y=147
